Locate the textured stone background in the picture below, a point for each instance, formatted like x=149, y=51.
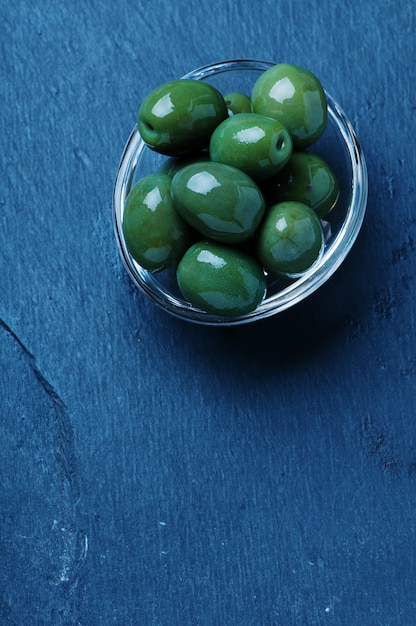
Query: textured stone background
x=156, y=473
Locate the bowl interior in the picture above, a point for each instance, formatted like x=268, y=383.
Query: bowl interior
x=340, y=148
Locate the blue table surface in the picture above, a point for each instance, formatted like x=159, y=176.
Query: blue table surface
x=160, y=473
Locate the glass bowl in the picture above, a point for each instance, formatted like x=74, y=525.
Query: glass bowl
x=339, y=146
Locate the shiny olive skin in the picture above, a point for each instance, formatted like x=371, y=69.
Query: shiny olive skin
x=290, y=239
x=255, y=144
x=155, y=235
x=219, y=201
x=178, y=117
x=220, y=279
x=294, y=96
x=305, y=178
x=237, y=102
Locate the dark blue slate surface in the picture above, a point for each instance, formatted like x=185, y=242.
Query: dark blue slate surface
x=155, y=473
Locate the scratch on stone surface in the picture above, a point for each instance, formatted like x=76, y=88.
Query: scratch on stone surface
x=65, y=455
x=384, y=303
x=403, y=250
x=380, y=447
x=68, y=539
x=383, y=450
x=388, y=180
x=74, y=544
x=48, y=388
x=83, y=156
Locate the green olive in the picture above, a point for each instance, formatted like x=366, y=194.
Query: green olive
x=237, y=102
x=295, y=97
x=219, y=201
x=290, y=239
x=179, y=117
x=253, y=143
x=156, y=235
x=305, y=178
x=220, y=279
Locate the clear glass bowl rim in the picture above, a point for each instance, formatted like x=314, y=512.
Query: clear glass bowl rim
x=298, y=290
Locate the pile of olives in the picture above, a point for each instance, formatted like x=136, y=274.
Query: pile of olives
x=241, y=197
